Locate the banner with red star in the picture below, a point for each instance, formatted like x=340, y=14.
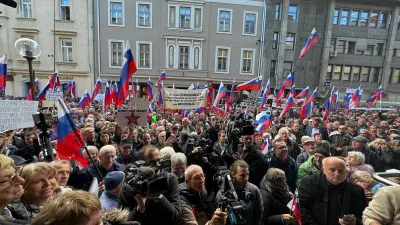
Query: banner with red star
x=131, y=117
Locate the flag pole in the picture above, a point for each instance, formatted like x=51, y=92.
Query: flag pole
x=380, y=101
x=94, y=164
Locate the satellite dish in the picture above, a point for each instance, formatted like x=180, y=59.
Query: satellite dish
x=27, y=48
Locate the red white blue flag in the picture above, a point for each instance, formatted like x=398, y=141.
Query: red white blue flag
x=379, y=94
x=149, y=90
x=97, y=89
x=128, y=69
x=312, y=40
x=289, y=104
x=85, y=100
x=3, y=74
x=264, y=97
x=288, y=82
x=251, y=85
x=220, y=94
x=307, y=107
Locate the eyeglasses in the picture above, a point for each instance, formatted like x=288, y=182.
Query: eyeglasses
x=12, y=178
x=199, y=177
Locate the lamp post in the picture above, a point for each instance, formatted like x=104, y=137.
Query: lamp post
x=29, y=49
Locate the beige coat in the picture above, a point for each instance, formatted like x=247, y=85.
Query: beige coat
x=384, y=207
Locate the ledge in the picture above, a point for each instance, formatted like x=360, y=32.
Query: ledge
x=181, y=70
x=26, y=19
x=67, y=63
x=65, y=21
x=4, y=17
x=184, y=38
x=65, y=32
x=26, y=61
x=196, y=30
x=26, y=30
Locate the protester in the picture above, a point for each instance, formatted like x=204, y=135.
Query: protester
x=339, y=139
x=359, y=144
x=178, y=166
x=292, y=146
x=355, y=162
x=93, y=154
x=113, y=183
x=309, y=148
x=63, y=169
x=316, y=128
x=365, y=180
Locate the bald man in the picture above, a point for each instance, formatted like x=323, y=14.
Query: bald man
x=327, y=196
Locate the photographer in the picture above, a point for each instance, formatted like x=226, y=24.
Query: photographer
x=253, y=210
x=195, y=208
x=166, y=206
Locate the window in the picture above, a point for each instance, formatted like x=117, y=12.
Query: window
x=346, y=73
x=364, y=18
x=144, y=50
x=336, y=16
x=272, y=70
x=341, y=46
x=373, y=19
x=65, y=10
x=380, y=49
x=116, y=14
x=144, y=16
x=116, y=53
x=365, y=74
x=278, y=11
x=395, y=52
x=290, y=40
x=184, y=57
x=395, y=76
x=222, y=64
x=333, y=44
x=66, y=50
x=247, y=63
x=26, y=8
x=344, y=17
x=287, y=68
x=337, y=73
x=356, y=73
x=375, y=74
x=224, y=21
x=351, y=47
x=250, y=21
x=383, y=18
x=184, y=17
x=276, y=40
x=354, y=18
x=329, y=73
x=370, y=50
x=292, y=14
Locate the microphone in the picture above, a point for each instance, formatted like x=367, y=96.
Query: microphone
x=146, y=172
x=10, y=3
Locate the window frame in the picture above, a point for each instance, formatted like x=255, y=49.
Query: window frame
x=138, y=43
x=138, y=3
x=342, y=17
x=294, y=41
x=109, y=13
x=344, y=72
x=61, y=10
x=252, y=60
x=337, y=17
x=359, y=73
x=364, y=18
x=180, y=15
x=110, y=55
x=22, y=3
x=291, y=67
x=362, y=73
x=279, y=16
x=230, y=20
x=380, y=19
x=273, y=62
x=228, y=59
x=275, y=43
x=297, y=13
x=392, y=76
x=344, y=46
x=352, y=17
x=188, y=56
x=333, y=72
x=375, y=71
x=348, y=48
x=376, y=20
x=61, y=39
x=329, y=73
x=367, y=50
x=244, y=23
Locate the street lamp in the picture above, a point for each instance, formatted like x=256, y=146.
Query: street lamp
x=29, y=49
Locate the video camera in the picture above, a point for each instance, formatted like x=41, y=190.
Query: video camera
x=235, y=129
x=42, y=122
x=142, y=179
x=229, y=198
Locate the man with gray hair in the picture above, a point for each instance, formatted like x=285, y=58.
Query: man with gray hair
x=105, y=165
x=178, y=166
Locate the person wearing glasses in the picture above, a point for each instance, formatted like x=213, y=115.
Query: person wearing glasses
x=10, y=189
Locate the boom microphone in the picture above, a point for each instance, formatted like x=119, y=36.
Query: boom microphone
x=10, y=3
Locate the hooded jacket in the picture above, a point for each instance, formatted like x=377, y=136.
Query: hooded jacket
x=306, y=169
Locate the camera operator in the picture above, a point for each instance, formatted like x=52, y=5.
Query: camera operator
x=221, y=147
x=195, y=206
x=163, y=209
x=253, y=209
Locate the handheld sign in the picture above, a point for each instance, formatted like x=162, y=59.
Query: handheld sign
x=15, y=114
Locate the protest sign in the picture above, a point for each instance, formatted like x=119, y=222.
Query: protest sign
x=99, y=97
x=53, y=95
x=133, y=117
x=184, y=99
x=352, y=90
x=250, y=102
x=17, y=114
x=219, y=113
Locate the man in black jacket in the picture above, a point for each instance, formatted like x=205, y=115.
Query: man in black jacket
x=164, y=209
x=327, y=196
x=359, y=144
x=316, y=128
x=29, y=152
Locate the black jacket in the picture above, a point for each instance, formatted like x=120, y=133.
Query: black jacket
x=165, y=210
x=322, y=130
x=371, y=157
x=289, y=167
x=86, y=175
x=293, y=148
x=275, y=204
x=27, y=153
x=313, y=195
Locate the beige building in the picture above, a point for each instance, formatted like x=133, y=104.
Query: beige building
x=62, y=28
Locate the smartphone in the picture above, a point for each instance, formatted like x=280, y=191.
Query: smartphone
x=168, y=134
x=349, y=217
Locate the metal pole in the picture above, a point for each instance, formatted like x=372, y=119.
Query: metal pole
x=94, y=164
x=32, y=78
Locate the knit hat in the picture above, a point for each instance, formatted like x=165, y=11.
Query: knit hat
x=322, y=147
x=113, y=179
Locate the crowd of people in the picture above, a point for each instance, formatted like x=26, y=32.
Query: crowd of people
x=326, y=167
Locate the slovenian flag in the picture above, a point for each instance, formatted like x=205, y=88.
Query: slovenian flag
x=97, y=89
x=292, y=91
x=251, y=85
x=3, y=74
x=288, y=82
x=73, y=89
x=160, y=94
x=355, y=98
x=265, y=147
x=107, y=96
x=232, y=95
x=42, y=94
x=307, y=107
x=209, y=94
x=128, y=69
x=85, y=100
x=289, y=104
x=379, y=94
x=69, y=140
x=162, y=77
x=312, y=40
x=149, y=90
x=264, y=117
x=303, y=93
x=220, y=94
x=53, y=80
x=264, y=97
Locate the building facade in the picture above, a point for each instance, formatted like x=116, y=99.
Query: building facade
x=192, y=40
x=62, y=28
x=358, y=45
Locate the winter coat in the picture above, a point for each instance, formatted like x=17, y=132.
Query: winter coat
x=362, y=167
x=385, y=160
x=306, y=169
x=302, y=158
x=275, y=203
x=293, y=148
x=194, y=208
x=322, y=130
x=289, y=167
x=339, y=141
x=384, y=207
x=86, y=175
x=23, y=211
x=314, y=196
